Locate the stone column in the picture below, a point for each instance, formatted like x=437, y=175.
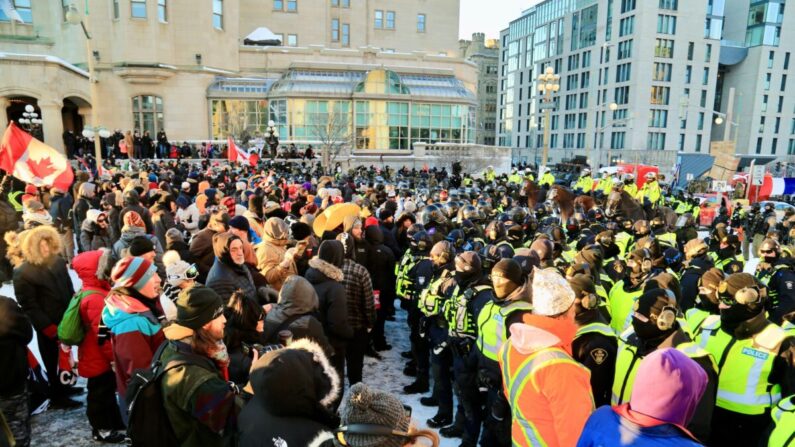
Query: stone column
x=4, y=103
x=52, y=123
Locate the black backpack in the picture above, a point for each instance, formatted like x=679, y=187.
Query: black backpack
x=148, y=422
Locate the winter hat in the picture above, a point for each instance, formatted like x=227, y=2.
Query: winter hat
x=370, y=221
x=34, y=206
x=711, y=279
x=582, y=284
x=649, y=309
x=694, y=248
x=239, y=223
x=332, y=252
x=173, y=235
x=270, y=207
x=152, y=177
x=182, y=202
x=229, y=203
x=141, y=245
x=386, y=213
x=197, y=306
x=668, y=387
x=87, y=190
x=300, y=231
x=31, y=189
x=175, y=272
x=468, y=262
x=543, y=248
x=92, y=215
x=185, y=186
x=133, y=219
x=665, y=281
x=132, y=272
x=508, y=269
x=552, y=294
x=591, y=254
x=737, y=281
x=365, y=405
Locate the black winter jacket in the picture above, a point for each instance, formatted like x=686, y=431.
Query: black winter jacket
x=327, y=281
x=15, y=334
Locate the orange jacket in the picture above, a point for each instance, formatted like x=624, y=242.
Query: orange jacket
x=549, y=393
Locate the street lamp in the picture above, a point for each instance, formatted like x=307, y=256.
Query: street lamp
x=73, y=17
x=547, y=84
x=273, y=139
x=30, y=120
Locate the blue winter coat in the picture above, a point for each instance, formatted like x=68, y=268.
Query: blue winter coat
x=606, y=428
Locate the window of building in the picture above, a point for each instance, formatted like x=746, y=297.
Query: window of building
x=585, y=80
x=658, y=118
x=346, y=35
x=335, y=30
x=617, y=140
x=625, y=49
x=218, y=14
x=148, y=114
x=699, y=139
x=586, y=59
x=292, y=40
x=708, y=54
x=703, y=101
x=764, y=103
x=700, y=121
x=768, y=78
x=420, y=23
x=623, y=72
x=705, y=76
x=791, y=148
x=664, y=48
x=379, y=19
x=759, y=145
x=774, y=146
x=680, y=146
x=390, y=20
x=292, y=5
x=771, y=56
x=783, y=82
x=777, y=126
x=662, y=72
x=660, y=95
x=656, y=141
x=666, y=24
x=780, y=106
x=627, y=5
x=626, y=26
x=690, y=48
x=343, y=3
x=584, y=100
x=786, y=61
x=116, y=9
x=688, y=74
x=278, y=5
x=162, y=11
x=138, y=9
x=669, y=4
x=621, y=95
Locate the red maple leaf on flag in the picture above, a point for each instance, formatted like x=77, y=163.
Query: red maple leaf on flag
x=41, y=168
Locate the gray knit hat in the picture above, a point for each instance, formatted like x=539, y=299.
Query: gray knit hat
x=365, y=405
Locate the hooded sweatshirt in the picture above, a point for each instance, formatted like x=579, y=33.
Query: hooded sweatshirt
x=556, y=396
x=295, y=310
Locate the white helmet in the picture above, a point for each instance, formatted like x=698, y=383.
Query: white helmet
x=585, y=171
x=651, y=176
x=546, y=169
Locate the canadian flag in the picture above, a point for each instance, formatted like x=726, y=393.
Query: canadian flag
x=32, y=161
x=236, y=154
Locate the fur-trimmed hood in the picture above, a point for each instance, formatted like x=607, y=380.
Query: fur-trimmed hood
x=326, y=269
x=297, y=381
x=14, y=250
x=31, y=244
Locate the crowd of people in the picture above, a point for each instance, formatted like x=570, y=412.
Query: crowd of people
x=250, y=295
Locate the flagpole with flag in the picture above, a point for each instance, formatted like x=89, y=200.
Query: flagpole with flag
x=237, y=154
x=32, y=161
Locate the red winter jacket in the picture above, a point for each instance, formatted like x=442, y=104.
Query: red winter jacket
x=93, y=359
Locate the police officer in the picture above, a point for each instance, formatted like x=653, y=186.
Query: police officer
x=595, y=343
x=434, y=326
x=547, y=179
x=469, y=295
x=496, y=234
x=585, y=183
x=728, y=257
x=655, y=326
x=697, y=262
x=755, y=357
x=685, y=230
x=630, y=185
x=511, y=300
x=777, y=274
x=782, y=433
x=419, y=276
x=661, y=233
x=626, y=291
x=650, y=195
x=640, y=229
x=706, y=301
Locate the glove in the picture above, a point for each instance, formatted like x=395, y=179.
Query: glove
x=51, y=332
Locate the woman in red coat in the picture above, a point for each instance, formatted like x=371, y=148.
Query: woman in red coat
x=96, y=351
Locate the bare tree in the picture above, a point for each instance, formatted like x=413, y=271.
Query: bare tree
x=333, y=131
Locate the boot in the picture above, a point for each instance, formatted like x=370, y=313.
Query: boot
x=109, y=436
x=418, y=387
x=407, y=355
x=429, y=402
x=410, y=370
x=452, y=431
x=440, y=420
x=370, y=352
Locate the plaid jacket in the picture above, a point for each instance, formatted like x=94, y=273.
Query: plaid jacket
x=359, y=292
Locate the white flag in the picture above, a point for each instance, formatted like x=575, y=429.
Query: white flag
x=8, y=9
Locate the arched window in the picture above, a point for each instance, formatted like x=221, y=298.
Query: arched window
x=148, y=114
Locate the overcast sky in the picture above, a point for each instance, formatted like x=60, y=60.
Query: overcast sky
x=489, y=16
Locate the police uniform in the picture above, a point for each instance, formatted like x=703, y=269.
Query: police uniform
x=595, y=346
x=780, y=282
x=783, y=433
x=419, y=278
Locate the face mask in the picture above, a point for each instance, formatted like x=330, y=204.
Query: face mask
x=646, y=330
x=503, y=287
x=736, y=314
x=726, y=253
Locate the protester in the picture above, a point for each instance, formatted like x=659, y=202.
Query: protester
x=295, y=312
x=94, y=233
x=230, y=271
x=15, y=334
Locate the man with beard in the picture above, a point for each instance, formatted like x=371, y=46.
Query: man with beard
x=201, y=405
x=757, y=361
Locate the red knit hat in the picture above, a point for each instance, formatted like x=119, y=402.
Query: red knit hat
x=229, y=203
x=370, y=221
x=133, y=219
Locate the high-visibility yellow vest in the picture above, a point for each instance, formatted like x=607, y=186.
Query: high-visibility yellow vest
x=516, y=380
x=783, y=434
x=789, y=328
x=668, y=239
x=604, y=302
x=598, y=328
x=585, y=184
x=515, y=178
x=743, y=381
x=622, y=241
x=431, y=299
x=628, y=360
x=491, y=325
x=404, y=286
x=13, y=200
x=695, y=319
x=631, y=189
x=547, y=179
x=621, y=305
x=460, y=322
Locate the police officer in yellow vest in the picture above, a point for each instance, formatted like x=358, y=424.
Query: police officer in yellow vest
x=418, y=277
x=489, y=174
x=434, y=326
x=783, y=433
x=471, y=293
x=706, y=301
x=777, y=274
x=585, y=183
x=728, y=256
x=626, y=291
x=661, y=232
x=511, y=301
x=528, y=175
x=515, y=178
x=650, y=195
x=630, y=186
x=595, y=343
x=655, y=326
x=755, y=357
x=547, y=179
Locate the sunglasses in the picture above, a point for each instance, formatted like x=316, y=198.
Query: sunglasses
x=727, y=300
x=766, y=251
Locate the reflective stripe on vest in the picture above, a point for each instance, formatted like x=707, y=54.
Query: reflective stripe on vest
x=460, y=322
x=783, y=434
x=599, y=328
x=491, y=326
x=12, y=199
x=695, y=319
x=745, y=366
x=525, y=373
x=789, y=328
x=430, y=300
x=404, y=282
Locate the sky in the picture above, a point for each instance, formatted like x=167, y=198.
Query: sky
x=489, y=16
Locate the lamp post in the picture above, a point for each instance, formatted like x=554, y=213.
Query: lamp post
x=30, y=120
x=73, y=17
x=599, y=131
x=273, y=139
x=547, y=84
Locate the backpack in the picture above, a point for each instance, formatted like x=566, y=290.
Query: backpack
x=71, y=330
x=148, y=423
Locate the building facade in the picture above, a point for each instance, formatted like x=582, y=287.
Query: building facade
x=485, y=54
x=634, y=75
x=386, y=73
x=755, y=63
